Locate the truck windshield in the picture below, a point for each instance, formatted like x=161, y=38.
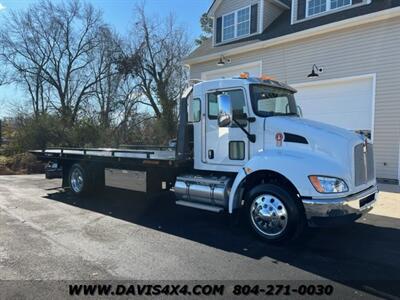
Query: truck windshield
x=269, y=101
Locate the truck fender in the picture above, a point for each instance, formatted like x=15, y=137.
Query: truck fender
x=294, y=166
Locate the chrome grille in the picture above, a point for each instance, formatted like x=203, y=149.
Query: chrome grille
x=364, y=164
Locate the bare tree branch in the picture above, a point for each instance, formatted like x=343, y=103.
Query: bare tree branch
x=156, y=62
x=53, y=44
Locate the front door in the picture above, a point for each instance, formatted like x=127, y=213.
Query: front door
x=228, y=145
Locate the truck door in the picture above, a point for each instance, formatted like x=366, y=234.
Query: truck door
x=229, y=145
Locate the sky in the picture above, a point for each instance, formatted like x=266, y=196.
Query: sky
x=119, y=14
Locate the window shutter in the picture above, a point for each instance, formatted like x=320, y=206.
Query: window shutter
x=254, y=19
x=218, y=38
x=301, y=9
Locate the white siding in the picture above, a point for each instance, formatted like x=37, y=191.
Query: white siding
x=254, y=69
x=367, y=49
x=232, y=5
x=271, y=12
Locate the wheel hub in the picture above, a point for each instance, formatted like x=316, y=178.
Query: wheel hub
x=269, y=215
x=77, y=180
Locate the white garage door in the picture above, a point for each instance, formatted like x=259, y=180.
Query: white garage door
x=254, y=69
x=346, y=102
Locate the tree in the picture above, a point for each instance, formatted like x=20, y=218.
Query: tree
x=106, y=62
x=37, y=89
x=3, y=80
x=52, y=45
x=206, y=24
x=155, y=60
x=85, y=84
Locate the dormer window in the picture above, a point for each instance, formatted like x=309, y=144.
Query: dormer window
x=315, y=7
x=229, y=27
x=237, y=24
x=243, y=22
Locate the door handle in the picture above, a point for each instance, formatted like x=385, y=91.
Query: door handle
x=211, y=154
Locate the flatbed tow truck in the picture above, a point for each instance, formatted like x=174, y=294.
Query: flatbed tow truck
x=242, y=147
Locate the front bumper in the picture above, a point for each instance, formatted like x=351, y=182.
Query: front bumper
x=332, y=212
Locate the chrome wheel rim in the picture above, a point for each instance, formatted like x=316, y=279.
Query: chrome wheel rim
x=269, y=215
x=77, y=180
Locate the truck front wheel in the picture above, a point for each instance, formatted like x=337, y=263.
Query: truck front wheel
x=79, y=180
x=274, y=214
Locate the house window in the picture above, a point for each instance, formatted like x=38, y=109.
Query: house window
x=339, y=3
x=229, y=27
x=315, y=7
x=243, y=22
x=236, y=24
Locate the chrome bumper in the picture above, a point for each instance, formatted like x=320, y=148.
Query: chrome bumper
x=347, y=208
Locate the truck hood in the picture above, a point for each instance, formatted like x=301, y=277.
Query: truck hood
x=335, y=142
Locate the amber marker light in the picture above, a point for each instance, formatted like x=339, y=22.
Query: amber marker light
x=316, y=183
x=266, y=77
x=244, y=75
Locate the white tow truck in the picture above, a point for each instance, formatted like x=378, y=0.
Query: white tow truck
x=242, y=147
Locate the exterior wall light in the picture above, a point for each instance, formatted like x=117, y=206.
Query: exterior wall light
x=222, y=61
x=315, y=71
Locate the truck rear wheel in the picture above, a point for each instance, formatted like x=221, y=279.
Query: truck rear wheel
x=79, y=180
x=274, y=214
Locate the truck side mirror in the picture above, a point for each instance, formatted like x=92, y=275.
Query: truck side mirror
x=224, y=110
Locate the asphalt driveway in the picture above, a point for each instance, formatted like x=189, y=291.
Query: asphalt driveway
x=46, y=233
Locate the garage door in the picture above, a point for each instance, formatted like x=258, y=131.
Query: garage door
x=254, y=69
x=346, y=102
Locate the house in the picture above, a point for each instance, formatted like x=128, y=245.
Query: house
x=343, y=57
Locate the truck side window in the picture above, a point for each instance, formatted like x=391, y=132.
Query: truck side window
x=213, y=106
x=196, y=110
x=238, y=106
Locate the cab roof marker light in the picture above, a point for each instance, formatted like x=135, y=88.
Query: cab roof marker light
x=266, y=77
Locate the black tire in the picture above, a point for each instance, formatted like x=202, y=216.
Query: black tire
x=292, y=210
x=85, y=186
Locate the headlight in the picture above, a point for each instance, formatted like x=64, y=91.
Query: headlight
x=328, y=184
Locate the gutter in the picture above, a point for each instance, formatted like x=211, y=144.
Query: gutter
x=356, y=21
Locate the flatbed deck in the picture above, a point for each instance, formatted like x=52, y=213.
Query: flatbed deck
x=154, y=156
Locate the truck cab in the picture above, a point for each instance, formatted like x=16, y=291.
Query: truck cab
x=254, y=152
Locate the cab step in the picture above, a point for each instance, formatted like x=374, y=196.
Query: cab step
x=211, y=208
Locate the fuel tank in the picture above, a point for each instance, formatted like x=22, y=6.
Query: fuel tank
x=210, y=190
